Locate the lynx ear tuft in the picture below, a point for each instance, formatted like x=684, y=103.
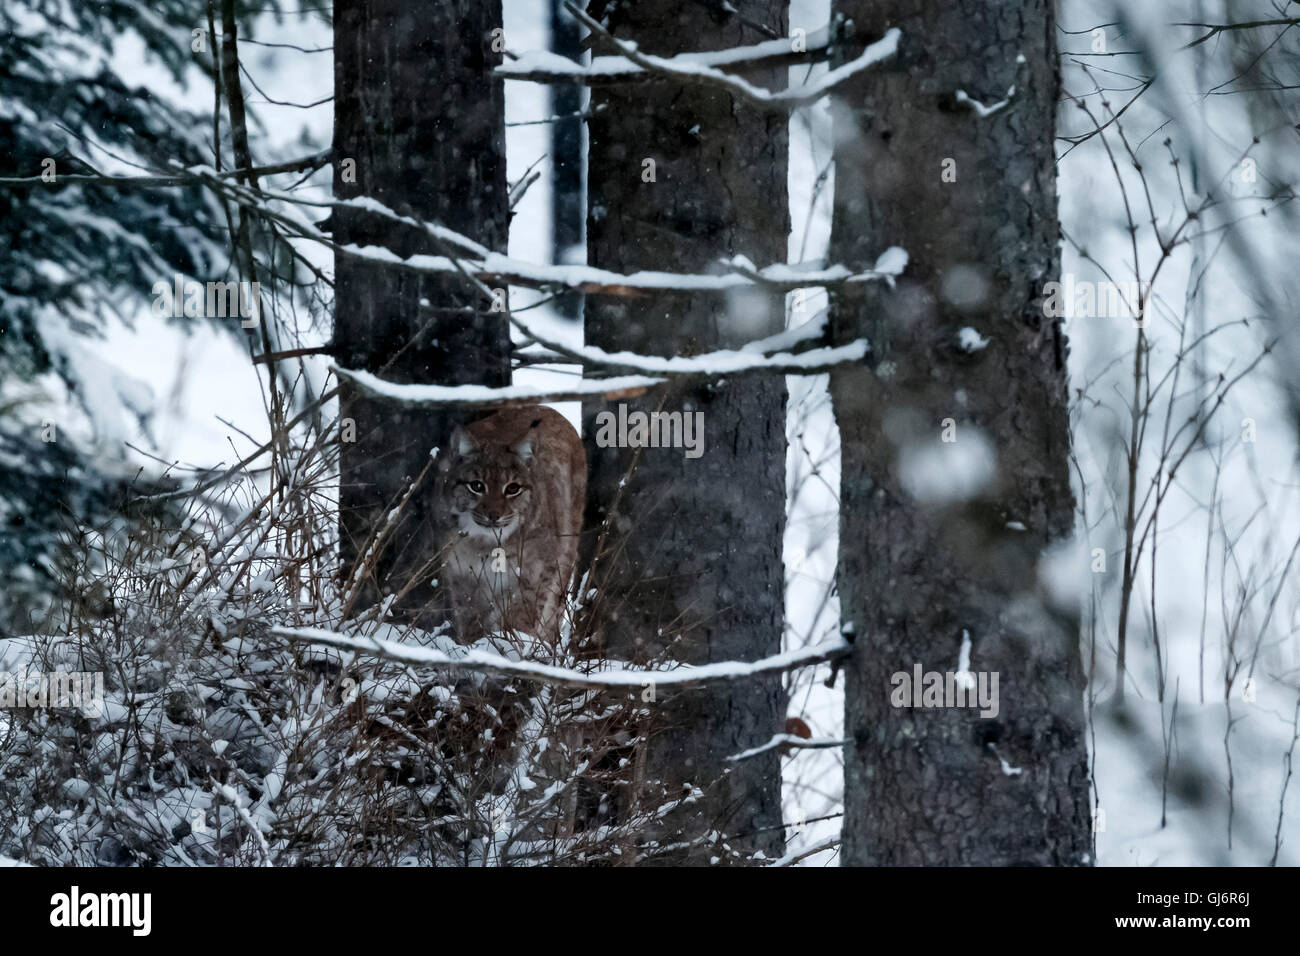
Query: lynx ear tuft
x=524, y=449
x=462, y=441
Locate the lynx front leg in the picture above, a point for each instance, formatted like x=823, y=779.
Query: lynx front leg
x=463, y=617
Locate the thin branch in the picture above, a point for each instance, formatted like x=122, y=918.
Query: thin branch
x=292, y=353
x=786, y=740
x=1214, y=29
x=197, y=176
x=790, y=859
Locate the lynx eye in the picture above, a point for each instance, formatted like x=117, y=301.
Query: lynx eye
x=512, y=489
x=476, y=487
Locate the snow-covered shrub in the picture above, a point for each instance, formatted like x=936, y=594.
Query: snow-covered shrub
x=222, y=742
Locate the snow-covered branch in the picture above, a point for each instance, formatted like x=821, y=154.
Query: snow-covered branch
x=618, y=677
x=582, y=389
x=497, y=270
x=786, y=740
x=705, y=75
x=983, y=110
x=471, y=259
x=474, y=261
x=794, y=856
x=770, y=354
x=232, y=797
x=542, y=66
x=711, y=365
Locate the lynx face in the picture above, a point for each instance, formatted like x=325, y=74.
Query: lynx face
x=490, y=487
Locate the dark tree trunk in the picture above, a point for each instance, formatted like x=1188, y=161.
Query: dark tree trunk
x=417, y=109
x=567, y=199
x=691, y=568
x=945, y=786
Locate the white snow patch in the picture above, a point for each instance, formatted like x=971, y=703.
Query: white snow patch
x=963, y=676
x=1007, y=769
x=969, y=340
x=981, y=110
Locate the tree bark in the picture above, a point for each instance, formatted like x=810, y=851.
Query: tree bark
x=922, y=564
x=567, y=199
x=691, y=566
x=417, y=109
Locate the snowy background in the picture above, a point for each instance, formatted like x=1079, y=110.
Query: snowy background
x=1165, y=781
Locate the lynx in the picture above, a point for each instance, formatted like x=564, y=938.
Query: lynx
x=514, y=486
